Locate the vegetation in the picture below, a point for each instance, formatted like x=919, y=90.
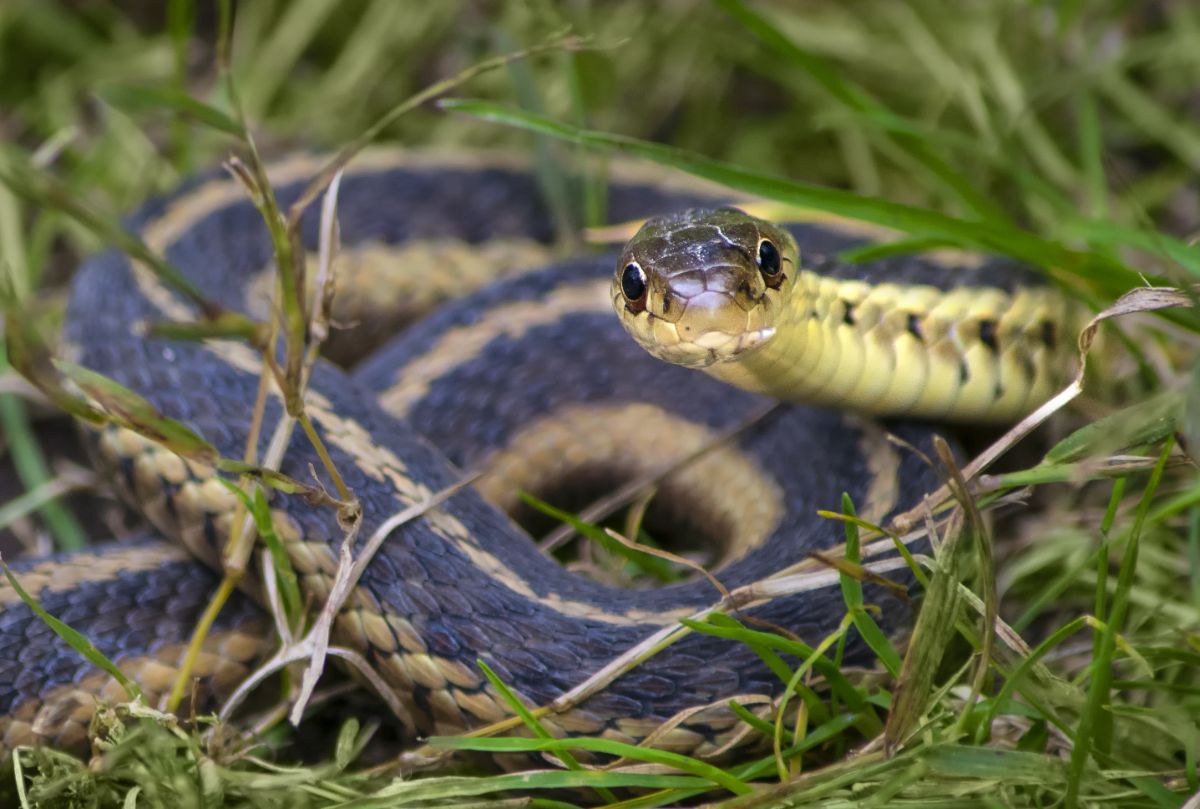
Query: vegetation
x=1063, y=134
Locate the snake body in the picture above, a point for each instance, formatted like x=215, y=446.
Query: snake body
x=531, y=380
x=738, y=296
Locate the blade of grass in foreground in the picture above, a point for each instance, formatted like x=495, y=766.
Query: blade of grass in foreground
x=16, y=278
x=73, y=638
x=536, y=727
x=852, y=594
x=722, y=627
x=988, y=235
x=606, y=746
x=932, y=633
x=420, y=791
x=1091, y=735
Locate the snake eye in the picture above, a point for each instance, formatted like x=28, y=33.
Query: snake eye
x=633, y=285
x=768, y=258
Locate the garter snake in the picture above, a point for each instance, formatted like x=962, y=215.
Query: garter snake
x=724, y=291
x=529, y=379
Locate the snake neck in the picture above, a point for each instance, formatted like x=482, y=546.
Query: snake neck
x=969, y=353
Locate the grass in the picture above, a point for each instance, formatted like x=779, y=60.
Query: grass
x=1051, y=133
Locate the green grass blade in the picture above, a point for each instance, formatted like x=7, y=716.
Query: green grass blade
x=73, y=638
x=929, y=224
x=27, y=502
x=289, y=585
x=142, y=99
x=932, y=632
x=1144, y=423
x=1097, y=557
x=1015, y=677
x=420, y=792
x=826, y=732
x=1101, y=667
x=551, y=178
x=1010, y=766
x=42, y=189
x=646, y=563
x=852, y=594
x=821, y=664
x=276, y=58
x=34, y=475
x=701, y=769
x=537, y=728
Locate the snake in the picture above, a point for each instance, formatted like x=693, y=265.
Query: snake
x=522, y=374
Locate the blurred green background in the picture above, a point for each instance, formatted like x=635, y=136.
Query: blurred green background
x=1029, y=109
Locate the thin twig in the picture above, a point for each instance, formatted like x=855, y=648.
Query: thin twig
x=315, y=644
x=675, y=558
x=348, y=574
x=750, y=595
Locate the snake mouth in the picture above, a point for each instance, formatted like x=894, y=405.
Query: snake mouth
x=702, y=329
x=727, y=348
x=691, y=347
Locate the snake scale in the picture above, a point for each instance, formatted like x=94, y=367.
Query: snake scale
x=531, y=380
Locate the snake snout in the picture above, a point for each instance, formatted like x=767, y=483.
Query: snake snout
x=722, y=323
x=709, y=313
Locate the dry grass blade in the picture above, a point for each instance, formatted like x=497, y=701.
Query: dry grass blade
x=1146, y=299
x=348, y=573
x=966, y=502
x=933, y=630
x=861, y=573
x=749, y=595
x=672, y=557
x=315, y=645
x=736, y=739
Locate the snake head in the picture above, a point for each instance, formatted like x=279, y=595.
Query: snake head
x=704, y=286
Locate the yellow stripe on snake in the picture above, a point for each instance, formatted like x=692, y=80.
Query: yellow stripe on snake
x=532, y=381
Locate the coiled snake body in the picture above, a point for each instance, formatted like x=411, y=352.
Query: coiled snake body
x=531, y=380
